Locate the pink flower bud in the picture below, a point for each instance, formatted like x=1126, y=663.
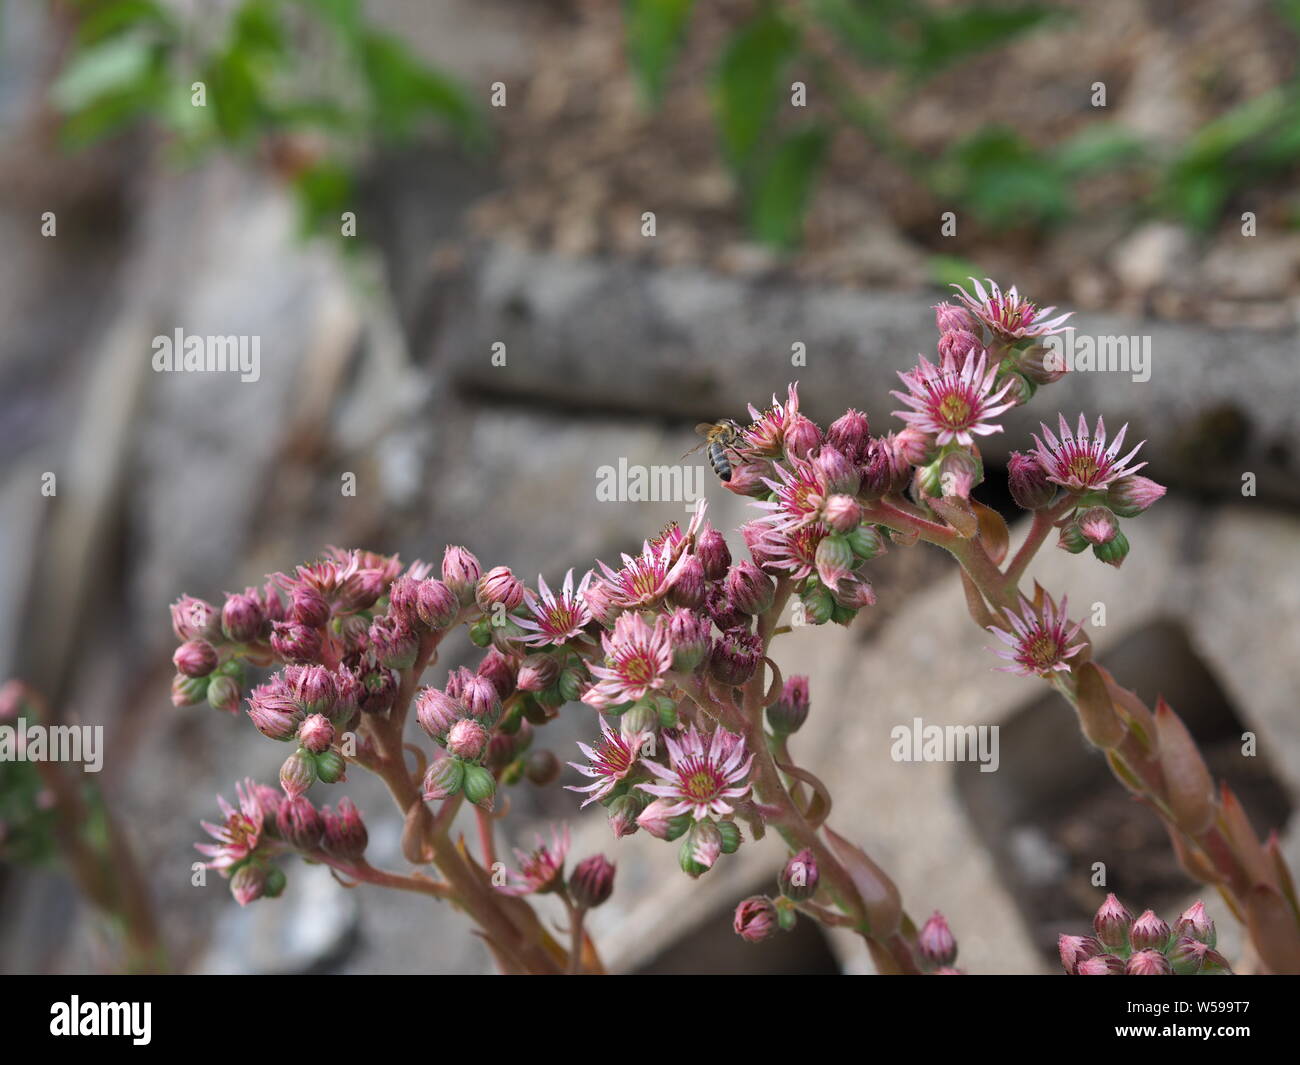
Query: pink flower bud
x=362, y=590
x=958, y=474
x=842, y=513
x=402, y=599
x=298, y=773
x=1071, y=538
x=656, y=820
x=749, y=478
x=1076, y=949
x=948, y=317
x=1195, y=922
x=935, y=941
x=195, y=619
x=800, y=877
x=835, y=473
x=300, y=824
x=224, y=694
x=623, y=814
x=316, y=733
x=689, y=636
x=1149, y=932
x=347, y=700
x=467, y=739
x=801, y=436
x=1027, y=481
x=849, y=434
x=537, y=671
x=345, y=837
x=957, y=344
x=755, y=919
x=687, y=588
x=314, y=688
x=499, y=670
x=436, y=604
x=308, y=607
x=1112, y=923
x=1042, y=365
x=1148, y=963
x=854, y=593
x=758, y=536
x=735, y=656
x=749, y=590
x=1098, y=525
x=712, y=551
x=910, y=447
x=295, y=642
x=481, y=700
x=834, y=560
x=394, y=644
x=242, y=618
x=602, y=603
x=378, y=690
x=460, y=572
x=1113, y=551
x=274, y=712
x=444, y=778
x=195, y=658
x=592, y=881
x=790, y=711
x=1130, y=496
x=248, y=883
x=499, y=585
x=1101, y=965
x=188, y=691
x=702, y=846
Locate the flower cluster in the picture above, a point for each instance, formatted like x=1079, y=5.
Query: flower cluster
x=1144, y=946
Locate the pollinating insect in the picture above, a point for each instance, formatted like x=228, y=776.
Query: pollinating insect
x=719, y=438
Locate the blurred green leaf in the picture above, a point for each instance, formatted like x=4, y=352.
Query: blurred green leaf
x=749, y=85
x=403, y=91
x=1100, y=146
x=947, y=270
x=654, y=35
x=106, y=19
x=1002, y=180
x=324, y=191
x=870, y=29
x=950, y=35
x=117, y=65
x=783, y=187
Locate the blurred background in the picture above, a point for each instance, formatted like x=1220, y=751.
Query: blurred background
x=490, y=246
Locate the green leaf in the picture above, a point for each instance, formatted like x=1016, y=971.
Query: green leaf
x=654, y=34
x=324, y=190
x=404, y=90
x=1002, y=180
x=952, y=35
x=748, y=86
x=117, y=65
x=871, y=30
x=1101, y=146
x=782, y=189
x=948, y=270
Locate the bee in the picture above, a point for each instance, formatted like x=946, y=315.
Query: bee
x=719, y=437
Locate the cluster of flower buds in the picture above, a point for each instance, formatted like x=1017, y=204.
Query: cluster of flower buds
x=1146, y=946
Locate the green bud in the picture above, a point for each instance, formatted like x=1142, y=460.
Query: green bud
x=480, y=632
x=866, y=541
x=275, y=882
x=330, y=766
x=818, y=606
x=1114, y=552
x=1072, y=539
x=480, y=786
x=731, y=837
x=570, y=684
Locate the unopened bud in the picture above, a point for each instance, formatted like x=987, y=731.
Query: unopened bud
x=800, y=877
x=790, y=711
x=480, y=786
x=592, y=881
x=460, y=572
x=688, y=585
x=1112, y=924
x=345, y=833
x=1130, y=496
x=224, y=694
x=1077, y=949
x=443, y=779
x=755, y=919
x=248, y=883
x=1148, y=963
x=308, y=607
x=300, y=824
x=316, y=733
x=1027, y=481
x=1114, y=552
x=241, y=618
x=499, y=585
x=749, y=589
x=537, y=671
x=935, y=941
x=467, y=739
x=298, y=773
x=195, y=658
x=711, y=549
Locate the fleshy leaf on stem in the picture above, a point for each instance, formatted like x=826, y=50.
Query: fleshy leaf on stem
x=1190, y=788
x=993, y=532
x=879, y=894
x=1272, y=927
x=1097, y=717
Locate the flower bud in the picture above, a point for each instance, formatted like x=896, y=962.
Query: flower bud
x=849, y=434
x=443, y=779
x=623, y=814
x=402, y=597
x=378, y=690
x=331, y=766
x=480, y=786
x=499, y=670
x=1149, y=932
x=298, y=773
x=1112, y=924
x=1042, y=364
x=1115, y=551
x=949, y=317
x=790, y=711
x=394, y=644
x=1027, y=481
x=275, y=883
x=800, y=437
x=817, y=605
x=835, y=474
x=655, y=819
x=1072, y=539
x=959, y=472
x=591, y=882
x=241, y=618
x=834, y=560
x=1101, y=965
x=345, y=833
x=347, y=699
x=755, y=919
x=273, y=711
x=735, y=656
x=689, y=637
x=1076, y=949
x=542, y=768
x=316, y=733
x=749, y=590
x=1130, y=496
x=935, y=941
x=957, y=344
x=853, y=594
x=731, y=836
x=688, y=585
x=248, y=883
x=481, y=700
x=1098, y=525
x=800, y=877
x=1148, y=963
x=224, y=694
x=195, y=658
x=300, y=824
x=842, y=514
x=188, y=691
x=467, y=739
x=460, y=572
x=295, y=642
x=537, y=671
x=1196, y=923
x=362, y=590
x=499, y=585
x=437, y=712
x=195, y=619
x=308, y=607
x=712, y=551
x=313, y=688
x=866, y=542
x=436, y=605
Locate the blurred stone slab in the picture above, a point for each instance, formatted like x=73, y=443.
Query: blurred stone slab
x=623, y=337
